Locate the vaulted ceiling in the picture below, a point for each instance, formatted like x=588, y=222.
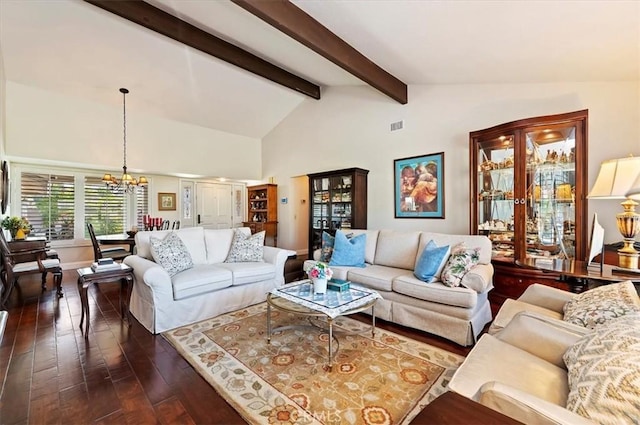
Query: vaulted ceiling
x=76, y=49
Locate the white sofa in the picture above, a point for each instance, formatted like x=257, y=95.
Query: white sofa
x=210, y=288
x=458, y=314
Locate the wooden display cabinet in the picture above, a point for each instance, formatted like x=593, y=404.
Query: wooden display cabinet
x=528, y=195
x=338, y=200
x=262, y=204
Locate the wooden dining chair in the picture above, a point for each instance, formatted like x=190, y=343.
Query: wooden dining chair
x=13, y=270
x=175, y=225
x=116, y=253
x=165, y=225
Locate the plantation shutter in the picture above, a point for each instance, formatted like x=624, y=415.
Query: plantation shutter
x=103, y=208
x=142, y=205
x=47, y=201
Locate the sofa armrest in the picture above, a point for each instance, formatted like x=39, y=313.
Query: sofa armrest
x=526, y=407
x=545, y=338
x=479, y=278
x=152, y=275
x=277, y=257
x=546, y=296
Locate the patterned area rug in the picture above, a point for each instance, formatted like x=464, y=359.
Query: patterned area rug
x=384, y=380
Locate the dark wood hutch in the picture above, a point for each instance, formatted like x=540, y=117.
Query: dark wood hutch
x=338, y=200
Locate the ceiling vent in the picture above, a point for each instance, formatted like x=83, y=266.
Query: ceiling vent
x=395, y=126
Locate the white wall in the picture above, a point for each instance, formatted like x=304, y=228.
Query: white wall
x=53, y=127
x=349, y=127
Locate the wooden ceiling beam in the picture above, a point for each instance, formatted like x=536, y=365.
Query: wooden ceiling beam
x=157, y=20
x=293, y=21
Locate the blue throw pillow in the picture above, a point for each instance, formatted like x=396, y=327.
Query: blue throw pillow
x=348, y=252
x=431, y=262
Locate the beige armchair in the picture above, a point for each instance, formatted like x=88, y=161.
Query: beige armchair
x=538, y=299
x=520, y=371
x=588, y=309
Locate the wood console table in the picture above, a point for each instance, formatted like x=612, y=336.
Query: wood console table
x=453, y=409
x=576, y=273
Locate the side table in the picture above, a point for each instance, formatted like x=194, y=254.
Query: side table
x=454, y=409
x=86, y=276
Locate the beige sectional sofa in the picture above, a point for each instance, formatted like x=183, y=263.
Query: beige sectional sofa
x=456, y=313
x=211, y=287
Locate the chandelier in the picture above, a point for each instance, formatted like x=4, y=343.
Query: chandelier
x=126, y=183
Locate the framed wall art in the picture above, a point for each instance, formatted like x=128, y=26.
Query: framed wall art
x=166, y=201
x=419, y=186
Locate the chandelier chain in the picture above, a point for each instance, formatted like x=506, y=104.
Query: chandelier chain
x=124, y=127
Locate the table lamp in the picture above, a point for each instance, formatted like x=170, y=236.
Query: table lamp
x=616, y=180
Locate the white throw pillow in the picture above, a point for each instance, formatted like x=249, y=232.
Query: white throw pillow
x=246, y=248
x=170, y=253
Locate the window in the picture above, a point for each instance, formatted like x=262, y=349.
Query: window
x=107, y=210
x=47, y=201
x=142, y=205
x=103, y=208
x=58, y=204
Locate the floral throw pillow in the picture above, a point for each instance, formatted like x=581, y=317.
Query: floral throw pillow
x=598, y=305
x=170, y=253
x=246, y=249
x=460, y=262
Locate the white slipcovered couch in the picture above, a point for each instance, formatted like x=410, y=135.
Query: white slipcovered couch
x=456, y=313
x=211, y=287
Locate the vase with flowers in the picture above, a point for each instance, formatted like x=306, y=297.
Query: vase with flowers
x=18, y=227
x=319, y=273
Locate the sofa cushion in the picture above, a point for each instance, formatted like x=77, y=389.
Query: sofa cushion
x=246, y=248
x=370, y=246
x=459, y=263
x=244, y=273
x=604, y=372
x=170, y=253
x=192, y=237
x=603, y=303
x=378, y=278
x=471, y=241
x=200, y=279
x=436, y=292
x=431, y=262
x=348, y=251
x=397, y=249
x=218, y=243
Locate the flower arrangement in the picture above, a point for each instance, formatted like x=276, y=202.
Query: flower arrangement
x=320, y=271
x=13, y=224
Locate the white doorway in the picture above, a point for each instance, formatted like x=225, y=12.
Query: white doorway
x=214, y=206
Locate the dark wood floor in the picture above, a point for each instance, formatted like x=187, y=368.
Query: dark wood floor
x=52, y=375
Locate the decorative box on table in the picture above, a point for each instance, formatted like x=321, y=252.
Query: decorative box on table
x=338, y=285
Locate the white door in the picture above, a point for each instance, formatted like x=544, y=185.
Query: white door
x=213, y=206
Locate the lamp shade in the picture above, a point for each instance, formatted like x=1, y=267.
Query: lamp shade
x=617, y=177
x=634, y=192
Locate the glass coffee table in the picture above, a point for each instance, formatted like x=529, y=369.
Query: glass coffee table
x=300, y=299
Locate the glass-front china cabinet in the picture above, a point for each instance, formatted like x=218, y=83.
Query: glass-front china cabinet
x=528, y=188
